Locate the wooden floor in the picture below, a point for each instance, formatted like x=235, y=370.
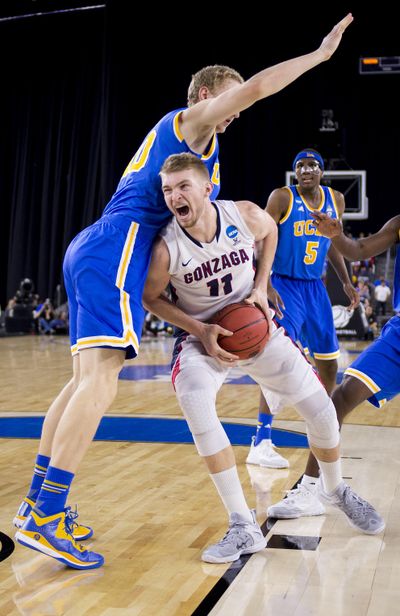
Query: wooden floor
x=154, y=510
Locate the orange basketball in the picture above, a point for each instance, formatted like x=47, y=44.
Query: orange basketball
x=249, y=327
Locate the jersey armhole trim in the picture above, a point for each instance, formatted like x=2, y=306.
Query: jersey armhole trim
x=331, y=192
x=177, y=129
x=290, y=206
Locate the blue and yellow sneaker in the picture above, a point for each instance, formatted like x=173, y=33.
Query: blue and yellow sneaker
x=52, y=535
x=79, y=531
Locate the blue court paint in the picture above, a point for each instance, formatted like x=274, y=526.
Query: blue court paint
x=146, y=373
x=148, y=430
x=162, y=373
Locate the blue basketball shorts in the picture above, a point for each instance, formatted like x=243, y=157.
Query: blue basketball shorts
x=308, y=315
x=105, y=268
x=378, y=367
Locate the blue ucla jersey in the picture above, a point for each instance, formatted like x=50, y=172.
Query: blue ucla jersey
x=302, y=250
x=396, y=282
x=378, y=366
x=139, y=195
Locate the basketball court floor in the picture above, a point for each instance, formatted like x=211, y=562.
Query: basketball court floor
x=154, y=509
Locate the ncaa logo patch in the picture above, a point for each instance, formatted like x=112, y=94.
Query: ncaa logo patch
x=232, y=232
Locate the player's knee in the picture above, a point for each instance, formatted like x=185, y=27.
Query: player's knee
x=321, y=421
x=101, y=388
x=211, y=442
x=73, y=384
x=332, y=368
x=349, y=394
x=328, y=370
x=199, y=409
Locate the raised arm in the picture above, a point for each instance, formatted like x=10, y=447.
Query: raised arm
x=364, y=248
x=156, y=302
x=212, y=111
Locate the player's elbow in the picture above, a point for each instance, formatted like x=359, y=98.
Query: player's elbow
x=269, y=84
x=272, y=227
x=148, y=298
x=254, y=90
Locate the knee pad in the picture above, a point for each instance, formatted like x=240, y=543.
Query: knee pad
x=321, y=421
x=198, y=407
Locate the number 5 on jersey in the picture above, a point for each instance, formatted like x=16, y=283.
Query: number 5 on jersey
x=311, y=252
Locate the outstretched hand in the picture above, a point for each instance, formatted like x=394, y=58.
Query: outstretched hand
x=328, y=227
x=332, y=40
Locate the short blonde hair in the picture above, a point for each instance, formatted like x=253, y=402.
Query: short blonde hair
x=183, y=161
x=212, y=77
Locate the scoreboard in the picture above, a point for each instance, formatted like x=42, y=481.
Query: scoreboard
x=377, y=64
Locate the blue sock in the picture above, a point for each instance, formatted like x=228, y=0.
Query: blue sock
x=39, y=473
x=54, y=492
x=263, y=427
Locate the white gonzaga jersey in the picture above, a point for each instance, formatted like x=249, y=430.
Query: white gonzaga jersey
x=207, y=277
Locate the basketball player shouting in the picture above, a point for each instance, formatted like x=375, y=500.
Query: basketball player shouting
x=200, y=232
x=104, y=270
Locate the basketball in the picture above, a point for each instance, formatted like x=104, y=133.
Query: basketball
x=249, y=327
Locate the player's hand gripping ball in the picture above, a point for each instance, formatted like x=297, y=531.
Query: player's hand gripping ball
x=249, y=327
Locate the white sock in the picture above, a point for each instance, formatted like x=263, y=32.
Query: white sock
x=309, y=482
x=331, y=475
x=230, y=490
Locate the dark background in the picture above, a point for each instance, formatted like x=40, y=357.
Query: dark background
x=79, y=91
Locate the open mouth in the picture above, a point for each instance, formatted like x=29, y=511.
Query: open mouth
x=182, y=211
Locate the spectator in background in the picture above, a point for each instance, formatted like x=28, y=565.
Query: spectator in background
x=59, y=325
x=45, y=315
x=9, y=312
x=382, y=294
x=371, y=265
x=372, y=323
x=363, y=290
x=378, y=281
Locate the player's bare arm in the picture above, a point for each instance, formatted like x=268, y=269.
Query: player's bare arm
x=336, y=260
x=265, y=232
x=205, y=115
x=277, y=206
x=278, y=203
x=340, y=203
x=156, y=302
x=363, y=248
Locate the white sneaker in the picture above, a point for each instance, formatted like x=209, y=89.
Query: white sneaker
x=264, y=454
x=359, y=512
x=242, y=537
x=298, y=503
